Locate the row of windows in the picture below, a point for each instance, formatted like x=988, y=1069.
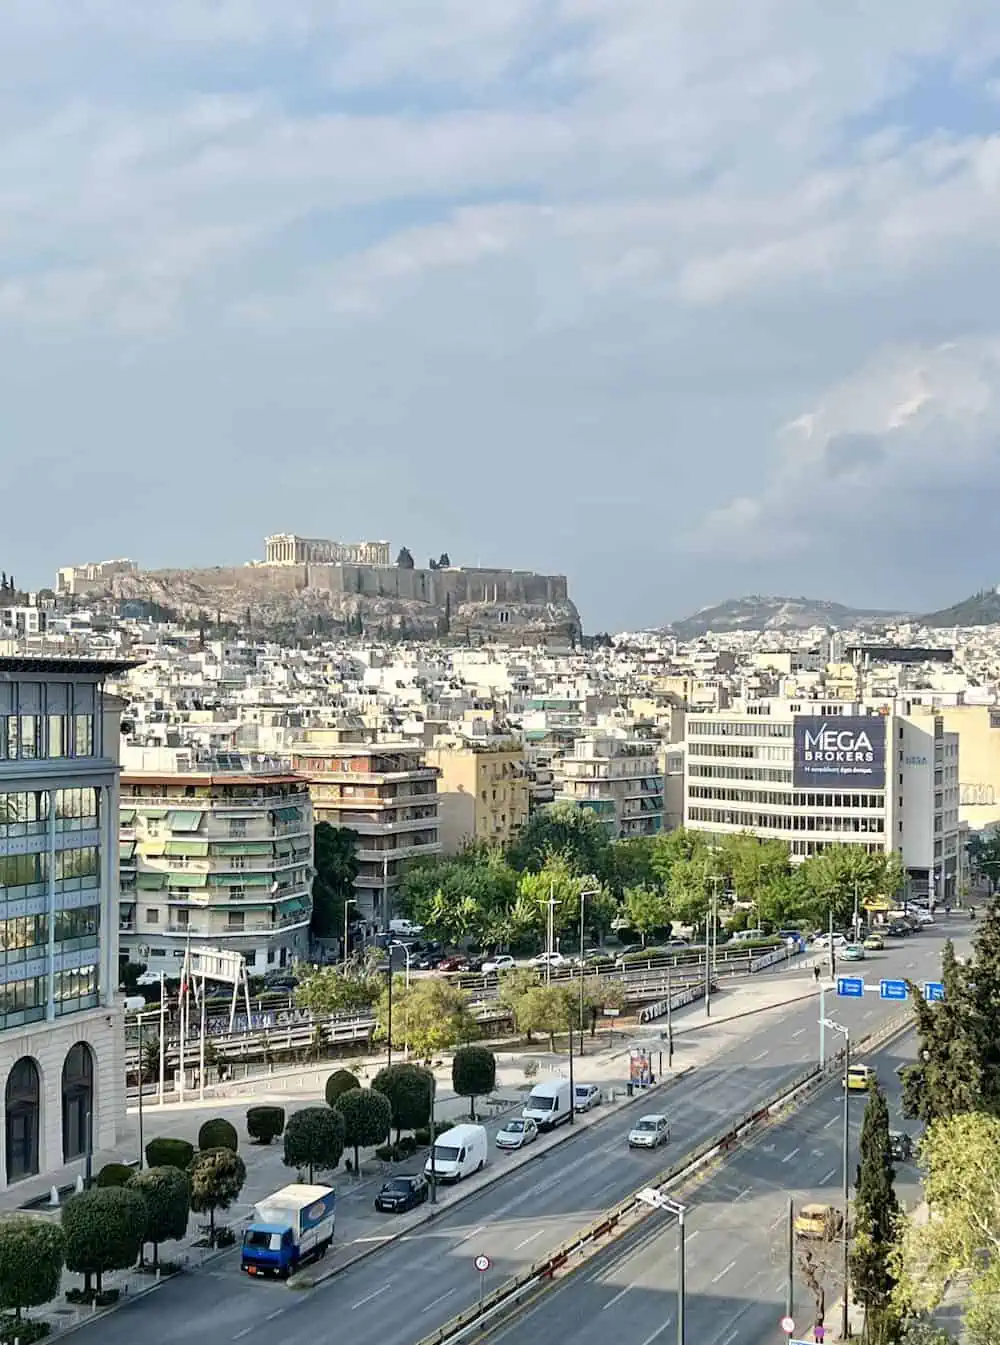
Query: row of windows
x=779, y=822
x=779, y=798
x=724, y=729
x=25, y=1001
x=23, y=934
x=50, y=737
x=744, y=751
x=71, y=868
x=741, y=773
x=26, y=812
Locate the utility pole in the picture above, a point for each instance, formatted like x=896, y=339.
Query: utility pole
x=710, y=920
x=790, y=1285
x=670, y=1022
x=845, y=1033
x=550, y=932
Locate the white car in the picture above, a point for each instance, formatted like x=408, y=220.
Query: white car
x=585, y=1096
x=922, y=917
x=503, y=962
x=550, y=960
x=516, y=1133
x=823, y=941
x=649, y=1132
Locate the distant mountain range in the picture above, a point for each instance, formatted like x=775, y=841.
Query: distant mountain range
x=758, y=613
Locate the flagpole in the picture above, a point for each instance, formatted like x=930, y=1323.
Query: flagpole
x=183, y=1007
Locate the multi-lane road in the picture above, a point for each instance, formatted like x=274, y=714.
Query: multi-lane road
x=408, y=1288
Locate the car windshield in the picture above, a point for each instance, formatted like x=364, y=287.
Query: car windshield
x=542, y=1103
x=268, y=1242
x=398, y=1184
x=515, y=1127
x=646, y=1125
x=445, y=1153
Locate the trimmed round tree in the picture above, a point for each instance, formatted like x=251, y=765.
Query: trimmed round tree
x=103, y=1229
x=314, y=1139
x=167, y=1193
x=31, y=1263
x=473, y=1074
x=218, y=1133
x=167, y=1152
x=217, y=1178
x=367, y=1119
x=115, y=1174
x=265, y=1124
x=410, y=1090
x=340, y=1081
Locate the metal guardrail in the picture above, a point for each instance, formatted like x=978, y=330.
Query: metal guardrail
x=509, y=1296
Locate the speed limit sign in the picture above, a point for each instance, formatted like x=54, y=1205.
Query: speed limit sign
x=482, y=1262
x=788, y=1325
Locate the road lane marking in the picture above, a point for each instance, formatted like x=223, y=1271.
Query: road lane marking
x=530, y=1238
x=832, y=1122
x=245, y=1332
x=271, y=1315
x=788, y=1157
x=436, y=1301
x=717, y=1278
x=658, y=1332
x=745, y=1192
x=612, y=1301
x=799, y=1033
x=368, y=1297
x=758, y=1057
x=831, y=1174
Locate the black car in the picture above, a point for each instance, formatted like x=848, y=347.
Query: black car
x=402, y=1193
x=898, y=929
x=900, y=1146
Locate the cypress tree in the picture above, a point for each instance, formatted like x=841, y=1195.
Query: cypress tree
x=876, y=1221
x=981, y=981
x=948, y=1076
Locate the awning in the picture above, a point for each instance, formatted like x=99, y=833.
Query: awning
x=155, y=813
x=294, y=906
x=126, y=852
x=126, y=816
x=187, y=879
x=151, y=882
x=185, y=821
x=186, y=849
x=241, y=879
x=288, y=814
x=222, y=848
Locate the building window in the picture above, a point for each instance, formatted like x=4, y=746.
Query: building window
x=30, y=737
x=153, y=915
x=238, y=826
x=76, y=990
x=83, y=735
x=237, y=920
x=77, y=1101
x=22, y=1100
x=57, y=743
x=183, y=918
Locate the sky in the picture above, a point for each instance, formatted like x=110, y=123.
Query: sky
x=683, y=300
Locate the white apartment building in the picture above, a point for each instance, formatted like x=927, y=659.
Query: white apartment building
x=215, y=853
x=620, y=780
x=816, y=774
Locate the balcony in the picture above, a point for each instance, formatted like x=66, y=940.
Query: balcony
x=128, y=803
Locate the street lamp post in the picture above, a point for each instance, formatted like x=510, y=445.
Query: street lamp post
x=710, y=921
x=394, y=943
x=434, y=1194
x=845, y=1033
x=587, y=892
x=348, y=903
x=650, y=1196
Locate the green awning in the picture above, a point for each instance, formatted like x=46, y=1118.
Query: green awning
x=151, y=882
x=184, y=821
x=241, y=879
x=186, y=849
x=155, y=813
x=126, y=852
x=126, y=816
x=187, y=879
x=288, y=814
x=222, y=848
x=294, y=906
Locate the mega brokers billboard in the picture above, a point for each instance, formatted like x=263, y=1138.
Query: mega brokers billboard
x=844, y=752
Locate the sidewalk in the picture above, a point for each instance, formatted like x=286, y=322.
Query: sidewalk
x=360, y=1230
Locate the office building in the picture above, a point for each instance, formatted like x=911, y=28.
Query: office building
x=61, y=1030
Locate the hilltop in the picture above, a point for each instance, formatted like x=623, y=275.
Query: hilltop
x=982, y=609
x=757, y=613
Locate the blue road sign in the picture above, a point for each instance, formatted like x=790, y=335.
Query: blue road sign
x=933, y=990
x=851, y=987
x=892, y=990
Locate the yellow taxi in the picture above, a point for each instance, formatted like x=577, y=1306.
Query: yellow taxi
x=875, y=943
x=818, y=1221
x=859, y=1077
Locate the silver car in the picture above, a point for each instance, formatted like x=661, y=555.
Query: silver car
x=585, y=1096
x=649, y=1132
x=519, y=1131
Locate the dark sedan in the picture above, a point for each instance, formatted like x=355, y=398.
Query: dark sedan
x=402, y=1193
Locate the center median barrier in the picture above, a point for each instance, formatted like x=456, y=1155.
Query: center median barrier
x=509, y=1297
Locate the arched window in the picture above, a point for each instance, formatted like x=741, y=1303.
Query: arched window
x=22, y=1099
x=77, y=1100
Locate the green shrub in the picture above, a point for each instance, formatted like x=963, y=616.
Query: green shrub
x=340, y=1081
x=31, y=1262
x=24, y=1330
x=406, y=1146
x=218, y=1133
x=114, y=1174
x=265, y=1124
x=386, y=1152
x=165, y=1152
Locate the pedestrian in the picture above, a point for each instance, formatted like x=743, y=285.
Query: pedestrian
x=816, y=972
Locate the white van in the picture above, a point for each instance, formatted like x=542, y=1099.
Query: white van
x=406, y=927
x=548, y=1104
x=457, y=1153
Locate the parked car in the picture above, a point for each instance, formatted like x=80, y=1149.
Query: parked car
x=649, y=1132
x=549, y=960
x=824, y=940
x=502, y=962
x=585, y=1096
x=402, y=928
x=458, y=1153
x=548, y=1104
x=453, y=962
x=900, y=1145
x=516, y=1133
x=402, y=1193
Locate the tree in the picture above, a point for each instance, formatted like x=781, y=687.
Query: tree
x=835, y=877
x=340, y=1081
x=31, y=1263
x=751, y=865
x=405, y=558
x=333, y=990
x=819, y=1261
x=314, y=1140
x=410, y=1090
x=692, y=883
x=335, y=861
x=673, y=847
x=646, y=910
x=561, y=829
x=367, y=1119
x=217, y=1178
x=167, y=1152
x=467, y=897
x=473, y=1074
x=984, y=856
x=877, y=1222
x=546, y=1008
x=444, y=562
x=265, y=1124
x=166, y=1192
x=103, y=1229
x=599, y=994
x=629, y=863
x=948, y=1076
x=513, y=987
x=218, y=1133
x=960, y=1156
x=431, y=1016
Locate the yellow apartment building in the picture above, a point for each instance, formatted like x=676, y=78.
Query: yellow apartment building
x=482, y=791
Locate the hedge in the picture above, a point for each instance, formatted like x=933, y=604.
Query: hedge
x=340, y=1082
x=114, y=1174
x=265, y=1124
x=218, y=1133
x=165, y=1152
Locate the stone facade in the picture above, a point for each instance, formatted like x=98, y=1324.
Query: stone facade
x=287, y=549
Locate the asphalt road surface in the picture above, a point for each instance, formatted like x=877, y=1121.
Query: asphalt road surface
x=407, y=1289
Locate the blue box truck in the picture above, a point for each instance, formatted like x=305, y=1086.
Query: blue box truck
x=293, y=1226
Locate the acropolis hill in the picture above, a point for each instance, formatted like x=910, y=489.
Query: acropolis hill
x=299, y=588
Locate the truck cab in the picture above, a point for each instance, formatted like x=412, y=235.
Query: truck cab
x=269, y=1249
x=288, y=1228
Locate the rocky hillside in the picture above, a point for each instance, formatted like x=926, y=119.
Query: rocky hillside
x=982, y=609
x=756, y=613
